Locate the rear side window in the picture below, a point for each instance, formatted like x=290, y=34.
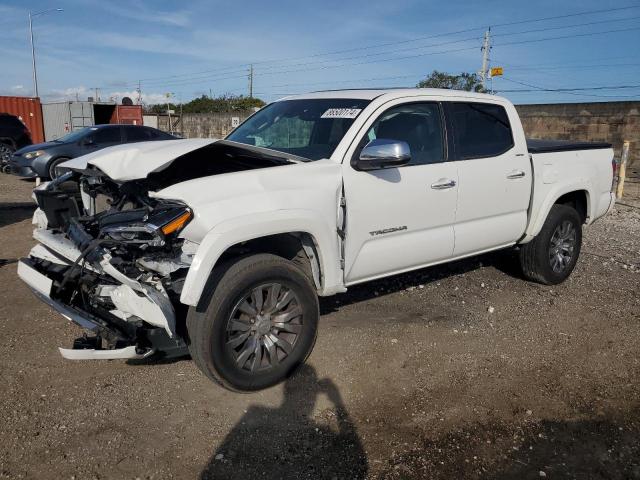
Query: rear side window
x=479, y=130
x=138, y=134
x=106, y=135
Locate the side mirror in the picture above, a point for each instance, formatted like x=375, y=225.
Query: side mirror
x=88, y=142
x=383, y=153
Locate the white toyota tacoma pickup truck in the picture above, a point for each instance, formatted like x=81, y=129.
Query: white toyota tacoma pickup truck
x=223, y=246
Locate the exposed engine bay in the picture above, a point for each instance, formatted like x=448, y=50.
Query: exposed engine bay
x=113, y=253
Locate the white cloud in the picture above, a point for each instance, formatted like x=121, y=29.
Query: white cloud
x=135, y=10
x=17, y=88
x=147, y=98
x=82, y=93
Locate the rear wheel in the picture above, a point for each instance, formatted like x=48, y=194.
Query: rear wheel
x=552, y=255
x=54, y=169
x=259, y=325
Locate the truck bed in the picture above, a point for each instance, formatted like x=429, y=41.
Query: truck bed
x=547, y=146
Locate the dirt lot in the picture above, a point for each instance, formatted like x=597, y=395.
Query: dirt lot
x=463, y=371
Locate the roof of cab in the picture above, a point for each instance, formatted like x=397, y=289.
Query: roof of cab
x=370, y=94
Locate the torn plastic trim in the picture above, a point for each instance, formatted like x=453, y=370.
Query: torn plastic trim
x=162, y=316
x=129, y=303
x=126, y=353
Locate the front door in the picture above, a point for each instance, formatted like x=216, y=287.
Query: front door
x=401, y=218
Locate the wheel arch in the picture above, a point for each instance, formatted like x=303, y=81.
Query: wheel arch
x=304, y=240
x=55, y=158
x=579, y=197
x=9, y=141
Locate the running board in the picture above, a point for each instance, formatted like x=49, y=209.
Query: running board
x=109, y=354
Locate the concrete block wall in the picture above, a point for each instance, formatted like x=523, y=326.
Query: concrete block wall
x=612, y=122
x=202, y=125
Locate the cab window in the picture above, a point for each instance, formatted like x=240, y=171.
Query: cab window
x=418, y=124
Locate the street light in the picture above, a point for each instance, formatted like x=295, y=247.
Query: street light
x=33, y=50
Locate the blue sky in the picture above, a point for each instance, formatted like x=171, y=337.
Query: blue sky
x=192, y=48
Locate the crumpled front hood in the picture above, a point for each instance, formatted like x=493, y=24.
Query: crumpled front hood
x=133, y=161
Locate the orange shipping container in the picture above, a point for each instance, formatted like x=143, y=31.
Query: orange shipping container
x=27, y=109
x=127, y=115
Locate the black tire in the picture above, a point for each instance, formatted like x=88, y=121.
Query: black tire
x=53, y=165
x=6, y=151
x=537, y=257
x=209, y=328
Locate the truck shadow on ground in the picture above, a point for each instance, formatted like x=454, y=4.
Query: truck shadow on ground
x=593, y=448
x=287, y=442
x=505, y=261
x=15, y=212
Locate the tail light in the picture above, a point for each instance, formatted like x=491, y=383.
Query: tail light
x=614, y=168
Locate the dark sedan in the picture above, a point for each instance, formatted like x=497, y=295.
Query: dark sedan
x=41, y=160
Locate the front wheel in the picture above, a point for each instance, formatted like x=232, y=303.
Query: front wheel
x=259, y=325
x=552, y=255
x=54, y=169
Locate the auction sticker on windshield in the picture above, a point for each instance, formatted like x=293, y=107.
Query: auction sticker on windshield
x=341, y=113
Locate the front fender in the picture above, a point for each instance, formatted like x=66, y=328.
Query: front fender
x=249, y=227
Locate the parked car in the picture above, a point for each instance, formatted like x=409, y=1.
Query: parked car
x=42, y=160
x=13, y=135
x=224, y=246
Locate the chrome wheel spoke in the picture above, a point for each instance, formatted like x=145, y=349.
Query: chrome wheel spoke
x=246, y=352
x=237, y=341
x=284, y=301
x=238, y=325
x=284, y=345
x=271, y=351
x=257, y=298
x=272, y=297
x=247, y=308
x=287, y=316
x=288, y=327
x=257, y=356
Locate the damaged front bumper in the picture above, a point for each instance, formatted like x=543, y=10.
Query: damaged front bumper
x=129, y=319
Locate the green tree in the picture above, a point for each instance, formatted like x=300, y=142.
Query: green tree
x=205, y=104
x=469, y=82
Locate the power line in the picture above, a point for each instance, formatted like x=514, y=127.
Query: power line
x=520, y=22
x=571, y=91
x=406, y=57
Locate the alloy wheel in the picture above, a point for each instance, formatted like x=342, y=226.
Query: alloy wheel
x=562, y=246
x=264, y=327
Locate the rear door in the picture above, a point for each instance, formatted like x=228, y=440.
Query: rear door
x=400, y=218
x=494, y=176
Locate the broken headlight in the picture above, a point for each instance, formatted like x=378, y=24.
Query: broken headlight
x=153, y=231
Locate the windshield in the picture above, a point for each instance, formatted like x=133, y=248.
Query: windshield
x=74, y=136
x=307, y=128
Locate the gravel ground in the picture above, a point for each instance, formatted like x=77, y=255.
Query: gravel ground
x=461, y=371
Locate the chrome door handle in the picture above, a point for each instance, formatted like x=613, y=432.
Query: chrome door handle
x=516, y=174
x=443, y=184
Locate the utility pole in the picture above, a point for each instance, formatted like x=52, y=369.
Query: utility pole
x=139, y=91
x=33, y=48
x=97, y=99
x=33, y=57
x=251, y=81
x=486, y=49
